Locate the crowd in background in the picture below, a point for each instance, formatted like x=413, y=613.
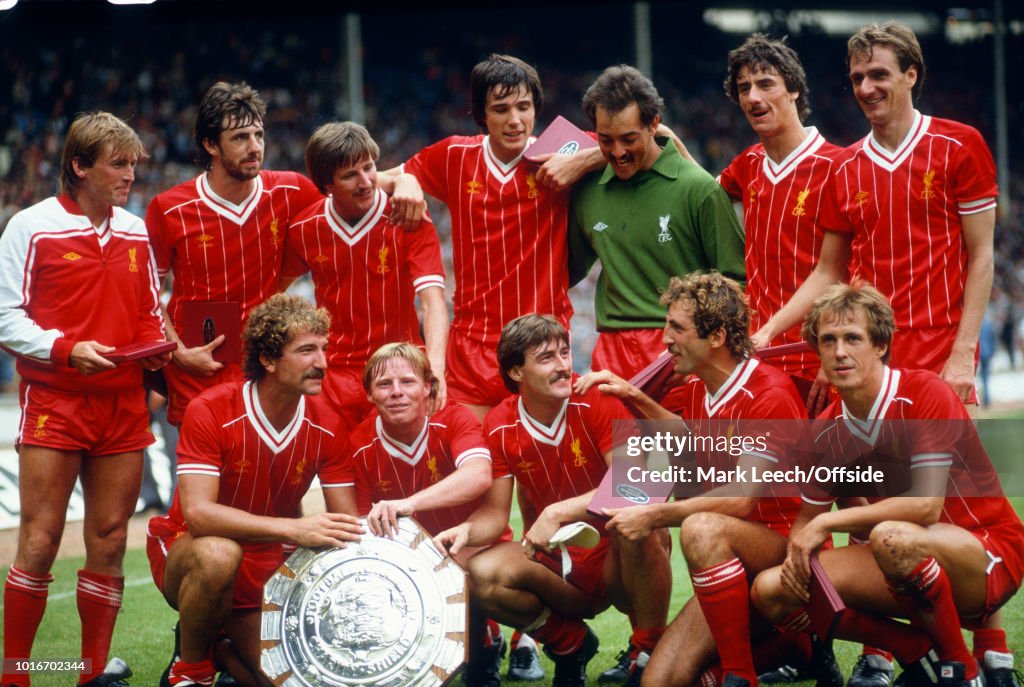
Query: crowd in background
x=416, y=67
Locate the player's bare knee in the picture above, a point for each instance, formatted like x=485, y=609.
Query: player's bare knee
x=38, y=550
x=216, y=559
x=769, y=597
x=700, y=535
x=896, y=547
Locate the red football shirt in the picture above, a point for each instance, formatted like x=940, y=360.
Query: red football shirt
x=219, y=251
x=903, y=209
x=508, y=235
x=367, y=275
x=261, y=470
x=780, y=217
x=757, y=401
x=387, y=469
x=553, y=463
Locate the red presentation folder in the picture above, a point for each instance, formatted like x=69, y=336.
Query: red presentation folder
x=204, y=321
x=562, y=136
x=626, y=494
x=826, y=606
x=124, y=354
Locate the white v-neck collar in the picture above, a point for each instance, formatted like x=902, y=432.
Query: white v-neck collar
x=353, y=233
x=551, y=435
x=276, y=441
x=889, y=161
x=237, y=213
x=777, y=172
x=867, y=430
x=407, y=453
x=502, y=171
x=733, y=385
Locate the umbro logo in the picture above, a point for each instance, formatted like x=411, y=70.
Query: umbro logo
x=72, y=256
x=600, y=226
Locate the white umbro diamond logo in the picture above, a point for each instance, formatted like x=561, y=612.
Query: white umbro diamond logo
x=600, y=226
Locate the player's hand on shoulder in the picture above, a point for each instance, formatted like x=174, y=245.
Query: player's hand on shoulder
x=817, y=397
x=607, y=382
x=87, y=357
x=327, y=529
x=408, y=205
x=199, y=361
x=440, y=399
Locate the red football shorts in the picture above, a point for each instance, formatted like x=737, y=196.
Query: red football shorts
x=1004, y=546
x=926, y=348
x=627, y=351
x=96, y=424
x=343, y=390
x=587, y=572
x=473, y=376
x=259, y=562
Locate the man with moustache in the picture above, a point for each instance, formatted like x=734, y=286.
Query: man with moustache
x=727, y=536
x=247, y=454
x=221, y=235
x=555, y=445
x=650, y=215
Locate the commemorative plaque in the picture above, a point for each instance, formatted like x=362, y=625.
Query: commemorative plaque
x=383, y=612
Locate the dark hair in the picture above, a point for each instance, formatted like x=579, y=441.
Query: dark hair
x=502, y=74
x=225, y=106
x=839, y=303
x=764, y=54
x=522, y=334
x=86, y=139
x=334, y=145
x=273, y=324
x=898, y=38
x=619, y=87
x=718, y=303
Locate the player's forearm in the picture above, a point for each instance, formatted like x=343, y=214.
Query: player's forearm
x=218, y=520
x=467, y=483
x=977, y=291
x=570, y=510
x=435, y=328
x=920, y=510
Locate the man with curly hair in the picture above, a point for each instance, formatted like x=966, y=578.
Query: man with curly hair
x=247, y=455
x=727, y=535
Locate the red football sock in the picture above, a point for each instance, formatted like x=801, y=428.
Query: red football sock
x=201, y=673
x=723, y=595
x=492, y=633
x=646, y=638
x=514, y=642
x=99, y=599
x=560, y=634
x=986, y=639
x=24, y=605
x=926, y=596
x=906, y=642
x=869, y=650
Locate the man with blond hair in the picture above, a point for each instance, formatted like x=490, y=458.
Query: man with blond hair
x=75, y=283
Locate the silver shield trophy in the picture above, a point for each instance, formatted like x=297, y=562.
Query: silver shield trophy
x=383, y=612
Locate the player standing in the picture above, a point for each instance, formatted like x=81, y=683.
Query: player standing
x=367, y=271
x=75, y=283
x=650, y=215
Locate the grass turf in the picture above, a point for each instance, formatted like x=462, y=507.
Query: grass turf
x=143, y=635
